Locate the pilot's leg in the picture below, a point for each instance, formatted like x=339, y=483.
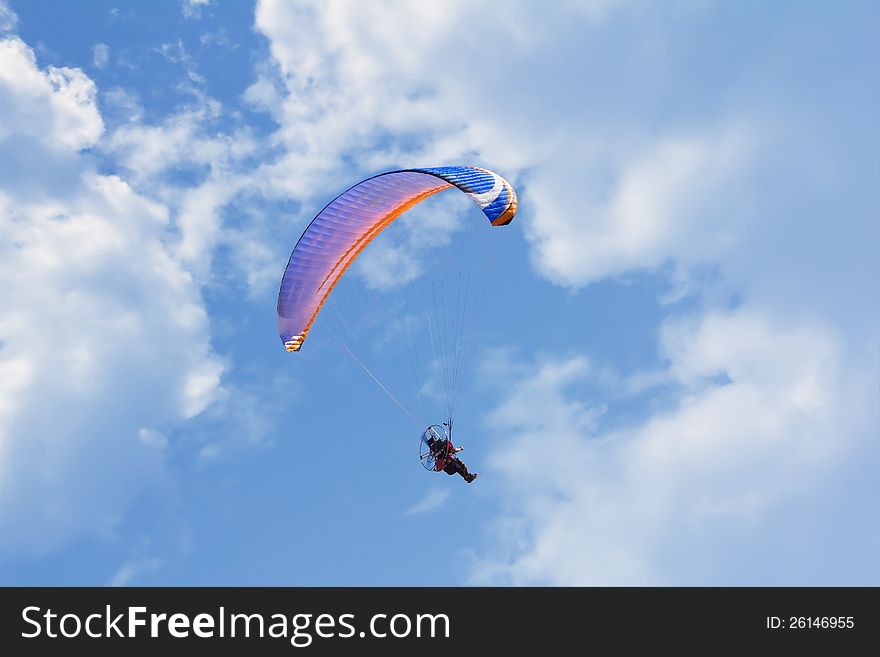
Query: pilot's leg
x=463, y=471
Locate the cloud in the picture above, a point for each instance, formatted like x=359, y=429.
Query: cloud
x=351, y=119
x=245, y=417
x=100, y=55
x=55, y=107
x=355, y=89
x=104, y=340
x=359, y=88
x=765, y=413
x=123, y=105
x=432, y=501
x=767, y=401
x=622, y=167
x=655, y=211
x=629, y=158
x=193, y=8
x=8, y=18
x=218, y=168
x=134, y=569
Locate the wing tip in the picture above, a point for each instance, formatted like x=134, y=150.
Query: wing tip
x=509, y=212
x=295, y=343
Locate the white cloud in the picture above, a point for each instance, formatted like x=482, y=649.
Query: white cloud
x=205, y=172
x=246, y=418
x=193, y=8
x=103, y=335
x=146, y=151
x=219, y=39
x=347, y=113
x=100, y=55
x=105, y=305
x=356, y=90
x=656, y=211
x=132, y=570
x=432, y=501
x=627, y=159
x=153, y=438
x=8, y=19
x=765, y=413
x=55, y=107
x=185, y=141
x=123, y=103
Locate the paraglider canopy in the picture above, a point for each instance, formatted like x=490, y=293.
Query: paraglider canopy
x=435, y=362
x=343, y=229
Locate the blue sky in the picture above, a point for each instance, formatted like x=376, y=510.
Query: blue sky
x=676, y=379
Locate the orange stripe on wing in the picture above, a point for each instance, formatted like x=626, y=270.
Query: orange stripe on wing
x=352, y=252
x=509, y=210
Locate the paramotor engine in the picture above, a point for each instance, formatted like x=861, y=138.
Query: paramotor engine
x=434, y=446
